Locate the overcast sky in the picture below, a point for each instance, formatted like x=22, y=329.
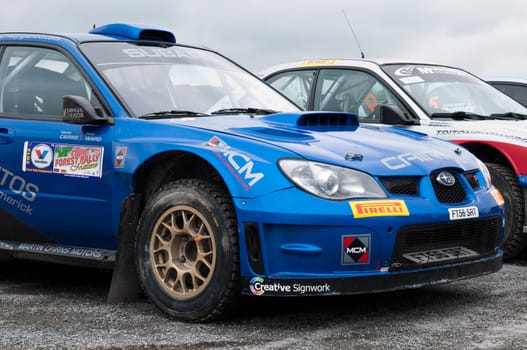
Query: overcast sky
x=488, y=38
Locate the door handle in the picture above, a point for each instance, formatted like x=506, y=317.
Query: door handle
x=7, y=135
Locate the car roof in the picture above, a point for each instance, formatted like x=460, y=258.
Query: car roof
x=108, y=32
x=32, y=36
x=317, y=63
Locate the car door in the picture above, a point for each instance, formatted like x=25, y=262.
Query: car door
x=354, y=91
x=55, y=177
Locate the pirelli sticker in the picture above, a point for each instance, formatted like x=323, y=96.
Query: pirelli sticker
x=388, y=207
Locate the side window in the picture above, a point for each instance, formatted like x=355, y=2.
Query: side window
x=347, y=90
x=34, y=80
x=517, y=92
x=296, y=85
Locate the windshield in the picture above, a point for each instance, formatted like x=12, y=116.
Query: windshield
x=153, y=79
x=439, y=90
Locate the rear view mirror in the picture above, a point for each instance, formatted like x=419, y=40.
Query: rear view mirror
x=393, y=115
x=78, y=110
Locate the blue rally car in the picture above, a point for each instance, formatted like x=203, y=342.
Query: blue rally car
x=170, y=165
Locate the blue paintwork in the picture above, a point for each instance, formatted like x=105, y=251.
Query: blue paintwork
x=300, y=234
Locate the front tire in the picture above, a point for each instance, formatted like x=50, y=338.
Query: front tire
x=187, y=251
x=504, y=179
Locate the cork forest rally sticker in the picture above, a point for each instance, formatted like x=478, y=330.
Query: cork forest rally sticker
x=68, y=160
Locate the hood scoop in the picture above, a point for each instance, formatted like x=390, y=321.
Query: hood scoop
x=320, y=121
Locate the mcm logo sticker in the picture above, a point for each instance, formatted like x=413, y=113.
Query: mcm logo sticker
x=356, y=249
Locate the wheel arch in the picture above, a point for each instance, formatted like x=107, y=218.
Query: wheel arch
x=509, y=157
x=169, y=166
x=148, y=178
x=490, y=154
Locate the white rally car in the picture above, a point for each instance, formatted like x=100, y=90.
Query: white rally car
x=442, y=101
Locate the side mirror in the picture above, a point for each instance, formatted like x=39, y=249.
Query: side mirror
x=78, y=110
x=393, y=115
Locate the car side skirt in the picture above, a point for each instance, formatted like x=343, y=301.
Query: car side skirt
x=61, y=254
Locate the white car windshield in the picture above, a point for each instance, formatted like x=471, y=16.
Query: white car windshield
x=443, y=90
x=154, y=79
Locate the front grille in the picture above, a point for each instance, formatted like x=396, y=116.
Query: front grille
x=407, y=185
x=477, y=235
x=454, y=194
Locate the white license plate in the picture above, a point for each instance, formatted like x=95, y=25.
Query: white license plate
x=463, y=213
x=436, y=255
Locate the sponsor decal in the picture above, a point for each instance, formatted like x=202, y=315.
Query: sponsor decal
x=216, y=142
x=318, y=63
x=73, y=114
x=80, y=161
x=355, y=249
x=38, y=157
x=157, y=52
x=424, y=70
x=255, y=285
x=478, y=133
x=411, y=80
x=120, y=157
x=404, y=160
x=405, y=71
x=239, y=164
x=19, y=186
x=388, y=207
x=258, y=286
x=25, y=208
x=463, y=213
x=68, y=160
x=54, y=249
x=41, y=156
x=497, y=196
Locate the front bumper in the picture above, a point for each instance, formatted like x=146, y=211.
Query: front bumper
x=294, y=244
x=380, y=282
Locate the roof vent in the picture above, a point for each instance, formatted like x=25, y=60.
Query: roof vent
x=333, y=121
x=135, y=32
x=320, y=121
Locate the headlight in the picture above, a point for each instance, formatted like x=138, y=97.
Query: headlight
x=329, y=181
x=486, y=173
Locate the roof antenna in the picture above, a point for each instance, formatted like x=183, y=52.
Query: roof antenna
x=353, y=32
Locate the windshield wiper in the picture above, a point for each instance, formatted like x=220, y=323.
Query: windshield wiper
x=508, y=116
x=459, y=115
x=172, y=114
x=250, y=110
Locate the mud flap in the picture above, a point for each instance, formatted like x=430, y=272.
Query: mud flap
x=125, y=284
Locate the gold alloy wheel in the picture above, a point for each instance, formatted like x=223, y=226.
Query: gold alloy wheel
x=183, y=252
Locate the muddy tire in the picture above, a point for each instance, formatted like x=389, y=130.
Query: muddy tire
x=187, y=251
x=504, y=179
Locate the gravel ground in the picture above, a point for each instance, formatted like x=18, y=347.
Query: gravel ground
x=56, y=307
